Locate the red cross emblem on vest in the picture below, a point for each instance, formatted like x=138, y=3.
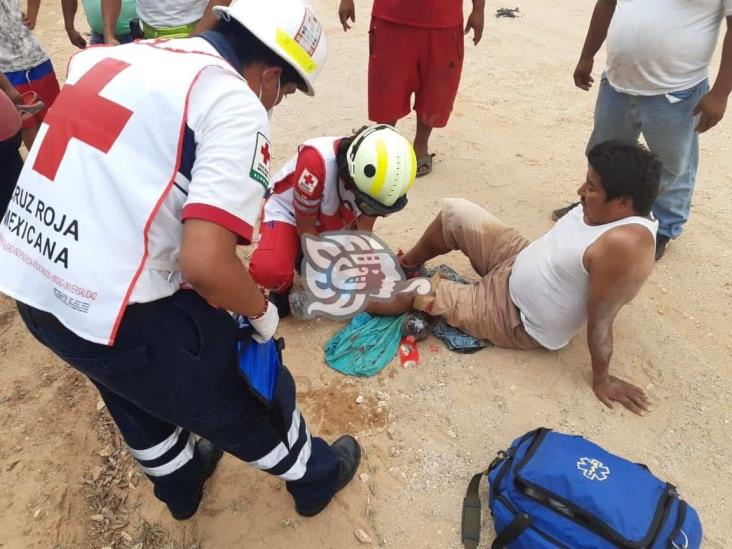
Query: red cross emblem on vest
x=264, y=149
x=80, y=112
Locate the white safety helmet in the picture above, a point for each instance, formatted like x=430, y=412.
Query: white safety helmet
x=289, y=28
x=383, y=166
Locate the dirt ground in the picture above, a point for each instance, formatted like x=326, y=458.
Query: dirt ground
x=514, y=144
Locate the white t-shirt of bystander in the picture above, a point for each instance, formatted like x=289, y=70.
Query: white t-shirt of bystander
x=167, y=14
x=656, y=47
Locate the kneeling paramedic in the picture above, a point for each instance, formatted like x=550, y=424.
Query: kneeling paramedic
x=119, y=246
x=331, y=184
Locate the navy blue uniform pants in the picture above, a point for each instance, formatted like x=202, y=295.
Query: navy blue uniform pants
x=11, y=163
x=173, y=372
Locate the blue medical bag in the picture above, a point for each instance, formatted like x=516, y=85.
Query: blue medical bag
x=552, y=490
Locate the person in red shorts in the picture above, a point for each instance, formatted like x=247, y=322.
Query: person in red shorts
x=416, y=47
x=25, y=63
x=331, y=184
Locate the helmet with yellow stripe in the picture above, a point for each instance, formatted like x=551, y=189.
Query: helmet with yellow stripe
x=289, y=28
x=382, y=165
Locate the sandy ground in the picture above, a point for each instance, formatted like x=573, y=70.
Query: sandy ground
x=515, y=145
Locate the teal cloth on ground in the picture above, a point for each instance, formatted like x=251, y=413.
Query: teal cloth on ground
x=365, y=346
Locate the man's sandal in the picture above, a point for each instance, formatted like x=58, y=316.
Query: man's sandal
x=424, y=164
x=30, y=105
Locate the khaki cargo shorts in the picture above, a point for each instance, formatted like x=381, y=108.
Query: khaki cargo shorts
x=483, y=309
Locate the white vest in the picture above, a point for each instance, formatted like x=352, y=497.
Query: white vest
x=74, y=239
x=338, y=205
x=549, y=281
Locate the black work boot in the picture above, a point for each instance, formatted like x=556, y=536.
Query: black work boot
x=561, y=212
x=281, y=301
x=209, y=456
x=349, y=457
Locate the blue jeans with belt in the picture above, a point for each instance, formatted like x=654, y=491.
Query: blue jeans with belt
x=668, y=127
x=172, y=372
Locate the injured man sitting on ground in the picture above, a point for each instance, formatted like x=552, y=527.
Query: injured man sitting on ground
x=539, y=294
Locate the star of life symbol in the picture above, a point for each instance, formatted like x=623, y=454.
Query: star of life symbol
x=343, y=270
x=593, y=469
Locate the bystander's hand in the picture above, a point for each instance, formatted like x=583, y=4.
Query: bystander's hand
x=15, y=96
x=710, y=110
x=29, y=22
x=76, y=38
x=613, y=389
x=583, y=73
x=346, y=11
x=475, y=21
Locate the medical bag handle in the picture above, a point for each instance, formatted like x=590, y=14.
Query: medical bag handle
x=470, y=530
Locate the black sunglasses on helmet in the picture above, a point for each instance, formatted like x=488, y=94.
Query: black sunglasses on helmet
x=373, y=208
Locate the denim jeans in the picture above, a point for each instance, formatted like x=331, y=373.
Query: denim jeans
x=667, y=124
x=97, y=38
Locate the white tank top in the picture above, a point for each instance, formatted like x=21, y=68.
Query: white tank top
x=549, y=281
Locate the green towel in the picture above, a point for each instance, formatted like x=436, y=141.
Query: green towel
x=365, y=345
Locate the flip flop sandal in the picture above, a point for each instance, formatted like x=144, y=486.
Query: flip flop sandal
x=424, y=164
x=31, y=105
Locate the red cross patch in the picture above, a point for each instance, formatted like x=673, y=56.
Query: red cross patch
x=260, y=161
x=307, y=182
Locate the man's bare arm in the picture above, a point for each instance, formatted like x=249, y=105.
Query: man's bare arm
x=724, y=76
x=714, y=104
x=346, y=12
x=9, y=90
x=619, y=264
x=229, y=285
x=365, y=223
x=208, y=19
x=476, y=21
x=69, y=7
x=305, y=223
x=596, y=34
x=31, y=13
x=110, y=15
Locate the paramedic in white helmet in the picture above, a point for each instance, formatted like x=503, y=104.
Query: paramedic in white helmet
x=119, y=245
x=331, y=184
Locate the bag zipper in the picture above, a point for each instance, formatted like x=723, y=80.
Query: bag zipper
x=505, y=461
x=678, y=527
x=540, y=533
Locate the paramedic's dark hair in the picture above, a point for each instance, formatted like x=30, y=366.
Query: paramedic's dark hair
x=341, y=159
x=249, y=49
x=627, y=169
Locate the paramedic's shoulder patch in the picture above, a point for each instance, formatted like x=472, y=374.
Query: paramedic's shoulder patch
x=307, y=182
x=260, y=161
